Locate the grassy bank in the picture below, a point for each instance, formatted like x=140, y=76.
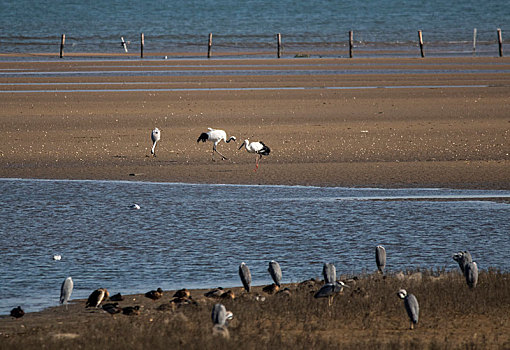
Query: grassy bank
x=368, y=315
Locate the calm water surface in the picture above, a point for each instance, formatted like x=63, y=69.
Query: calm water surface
x=196, y=235
x=170, y=26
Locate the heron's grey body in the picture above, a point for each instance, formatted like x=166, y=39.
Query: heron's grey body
x=471, y=274
x=276, y=272
x=463, y=258
x=411, y=305
x=66, y=290
x=245, y=275
x=380, y=258
x=329, y=290
x=329, y=273
x=220, y=317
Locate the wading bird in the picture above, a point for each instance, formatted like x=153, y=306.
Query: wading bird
x=329, y=290
x=329, y=273
x=471, y=274
x=256, y=147
x=66, y=290
x=380, y=258
x=462, y=258
x=155, y=137
x=97, y=297
x=134, y=206
x=244, y=273
x=276, y=272
x=220, y=317
x=411, y=305
x=215, y=136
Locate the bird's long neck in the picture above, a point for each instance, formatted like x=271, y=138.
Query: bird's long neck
x=231, y=138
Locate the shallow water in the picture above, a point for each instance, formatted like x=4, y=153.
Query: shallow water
x=192, y=236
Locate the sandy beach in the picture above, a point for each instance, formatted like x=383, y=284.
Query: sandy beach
x=438, y=122
x=385, y=122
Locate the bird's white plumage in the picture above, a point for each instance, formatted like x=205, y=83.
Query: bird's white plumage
x=57, y=257
x=66, y=290
x=253, y=147
x=155, y=137
x=135, y=206
x=216, y=136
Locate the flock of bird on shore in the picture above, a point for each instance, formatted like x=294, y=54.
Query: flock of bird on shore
x=216, y=136
x=220, y=316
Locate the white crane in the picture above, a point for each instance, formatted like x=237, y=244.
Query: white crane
x=258, y=148
x=215, y=136
x=155, y=137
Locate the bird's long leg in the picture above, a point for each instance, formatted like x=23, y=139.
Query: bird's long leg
x=222, y=156
x=153, y=150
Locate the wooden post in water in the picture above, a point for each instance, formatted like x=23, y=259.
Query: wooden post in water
x=62, y=43
x=351, y=36
x=500, y=43
x=420, y=39
x=142, y=43
x=209, y=46
x=279, y=43
x=474, y=41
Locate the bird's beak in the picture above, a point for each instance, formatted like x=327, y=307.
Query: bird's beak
x=241, y=146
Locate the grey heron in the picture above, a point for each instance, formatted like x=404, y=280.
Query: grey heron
x=411, y=305
x=329, y=273
x=97, y=297
x=275, y=271
x=471, y=274
x=258, y=148
x=462, y=258
x=329, y=290
x=220, y=317
x=380, y=258
x=17, y=312
x=155, y=137
x=66, y=290
x=215, y=136
x=154, y=294
x=245, y=275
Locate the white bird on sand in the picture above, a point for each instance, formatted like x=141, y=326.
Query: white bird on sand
x=57, y=257
x=155, y=137
x=215, y=136
x=256, y=147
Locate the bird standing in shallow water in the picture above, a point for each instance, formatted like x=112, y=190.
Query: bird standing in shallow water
x=256, y=147
x=215, y=136
x=155, y=137
x=411, y=305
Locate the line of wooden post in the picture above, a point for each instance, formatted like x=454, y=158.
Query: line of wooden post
x=500, y=43
x=62, y=43
x=209, y=46
x=279, y=44
x=351, y=36
x=142, y=44
x=420, y=39
x=474, y=41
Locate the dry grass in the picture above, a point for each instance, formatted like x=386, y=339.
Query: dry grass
x=369, y=315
